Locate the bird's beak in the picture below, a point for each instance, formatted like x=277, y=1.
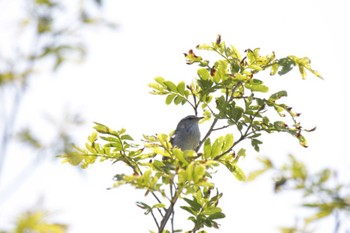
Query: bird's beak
x=199, y=118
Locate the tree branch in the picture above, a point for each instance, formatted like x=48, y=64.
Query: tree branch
x=207, y=134
x=169, y=211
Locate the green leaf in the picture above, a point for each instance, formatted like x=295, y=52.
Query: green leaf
x=211, y=210
x=203, y=73
x=302, y=140
x=171, y=86
x=228, y=142
x=158, y=206
x=236, y=113
x=207, y=148
x=277, y=95
x=178, y=99
x=217, y=215
x=189, y=209
x=256, y=143
x=189, y=171
x=241, y=153
x=169, y=99
x=258, y=88
x=239, y=174
x=221, y=70
x=198, y=172
x=127, y=137
x=160, y=80
x=274, y=68
x=204, y=47
x=181, y=88
x=194, y=204
x=217, y=147
x=235, y=170
x=93, y=137
x=287, y=65
x=179, y=155
x=101, y=128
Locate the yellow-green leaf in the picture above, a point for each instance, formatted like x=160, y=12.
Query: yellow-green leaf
x=203, y=73
x=181, y=88
x=228, y=142
x=171, y=86
x=207, y=148
x=169, y=99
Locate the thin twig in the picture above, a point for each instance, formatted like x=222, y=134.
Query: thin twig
x=223, y=127
x=169, y=211
x=155, y=219
x=207, y=134
x=195, y=105
x=155, y=196
x=173, y=212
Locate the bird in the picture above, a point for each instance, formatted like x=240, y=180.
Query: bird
x=187, y=134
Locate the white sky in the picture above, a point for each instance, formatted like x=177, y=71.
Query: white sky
x=111, y=88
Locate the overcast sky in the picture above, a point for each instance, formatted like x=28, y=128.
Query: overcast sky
x=111, y=88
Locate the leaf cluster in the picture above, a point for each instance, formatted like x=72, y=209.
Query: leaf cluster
x=232, y=97
x=36, y=221
x=231, y=91
x=322, y=192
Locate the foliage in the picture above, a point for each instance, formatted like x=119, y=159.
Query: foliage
x=36, y=222
x=322, y=192
x=50, y=36
x=41, y=36
x=228, y=92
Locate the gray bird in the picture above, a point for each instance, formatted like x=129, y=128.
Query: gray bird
x=187, y=134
